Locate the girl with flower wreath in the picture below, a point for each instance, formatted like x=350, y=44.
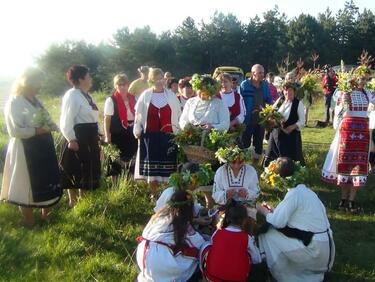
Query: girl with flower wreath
x=236, y=179
x=205, y=110
x=169, y=246
x=346, y=164
x=296, y=239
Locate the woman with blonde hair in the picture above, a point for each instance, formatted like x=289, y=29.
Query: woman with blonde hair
x=156, y=116
x=118, y=122
x=31, y=172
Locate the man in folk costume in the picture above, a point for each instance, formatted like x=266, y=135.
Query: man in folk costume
x=297, y=239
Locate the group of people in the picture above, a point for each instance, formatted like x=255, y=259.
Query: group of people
x=140, y=119
x=295, y=242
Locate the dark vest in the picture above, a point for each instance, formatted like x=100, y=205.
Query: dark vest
x=293, y=116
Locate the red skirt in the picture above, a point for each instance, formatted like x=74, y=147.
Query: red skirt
x=353, y=147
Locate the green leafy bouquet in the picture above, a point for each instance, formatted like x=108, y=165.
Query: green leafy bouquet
x=181, y=180
x=233, y=153
x=311, y=84
x=270, y=118
x=206, y=84
x=371, y=85
x=42, y=119
x=273, y=178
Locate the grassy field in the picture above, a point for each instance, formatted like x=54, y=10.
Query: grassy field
x=95, y=240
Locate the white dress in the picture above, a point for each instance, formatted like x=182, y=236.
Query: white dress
x=157, y=262
x=288, y=259
x=330, y=171
x=197, y=112
x=16, y=186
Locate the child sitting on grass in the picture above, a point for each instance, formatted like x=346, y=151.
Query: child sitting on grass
x=232, y=251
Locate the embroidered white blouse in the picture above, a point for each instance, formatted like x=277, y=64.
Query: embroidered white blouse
x=225, y=180
x=198, y=112
x=75, y=109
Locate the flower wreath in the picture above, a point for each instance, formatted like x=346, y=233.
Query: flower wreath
x=206, y=84
x=273, y=178
x=230, y=154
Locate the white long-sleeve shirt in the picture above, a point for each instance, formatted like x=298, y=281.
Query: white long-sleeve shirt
x=197, y=112
x=302, y=209
x=229, y=100
x=75, y=109
x=285, y=109
x=225, y=180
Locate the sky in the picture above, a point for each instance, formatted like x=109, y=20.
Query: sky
x=28, y=27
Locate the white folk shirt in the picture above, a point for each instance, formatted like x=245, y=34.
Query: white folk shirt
x=197, y=112
x=109, y=109
x=285, y=109
x=225, y=180
x=75, y=109
x=302, y=209
x=229, y=100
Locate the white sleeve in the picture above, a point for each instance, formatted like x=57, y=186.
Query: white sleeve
x=109, y=107
x=280, y=216
x=69, y=111
x=14, y=121
x=224, y=118
x=219, y=192
x=197, y=208
x=253, y=251
x=139, y=107
x=339, y=110
x=241, y=117
x=301, y=115
x=184, y=118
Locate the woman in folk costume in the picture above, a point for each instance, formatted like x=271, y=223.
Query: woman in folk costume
x=156, y=117
x=80, y=161
x=118, y=123
x=298, y=244
x=232, y=99
x=236, y=179
x=169, y=246
x=31, y=174
x=232, y=251
x=346, y=164
x=286, y=141
x=205, y=110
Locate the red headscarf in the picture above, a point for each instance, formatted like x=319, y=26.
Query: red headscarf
x=122, y=112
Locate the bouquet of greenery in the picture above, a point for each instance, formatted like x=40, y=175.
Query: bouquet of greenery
x=371, y=85
x=347, y=82
x=272, y=177
x=42, y=119
x=233, y=153
x=270, y=118
x=202, y=177
x=310, y=83
x=206, y=84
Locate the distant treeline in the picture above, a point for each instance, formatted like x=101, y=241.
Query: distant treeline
x=200, y=47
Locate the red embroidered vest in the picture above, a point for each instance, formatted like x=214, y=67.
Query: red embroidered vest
x=159, y=119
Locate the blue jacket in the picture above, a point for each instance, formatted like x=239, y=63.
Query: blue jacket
x=248, y=90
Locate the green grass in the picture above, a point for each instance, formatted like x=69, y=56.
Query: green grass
x=95, y=241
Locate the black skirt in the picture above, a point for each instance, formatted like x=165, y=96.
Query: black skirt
x=158, y=154
x=81, y=169
x=43, y=167
x=127, y=144
x=281, y=144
